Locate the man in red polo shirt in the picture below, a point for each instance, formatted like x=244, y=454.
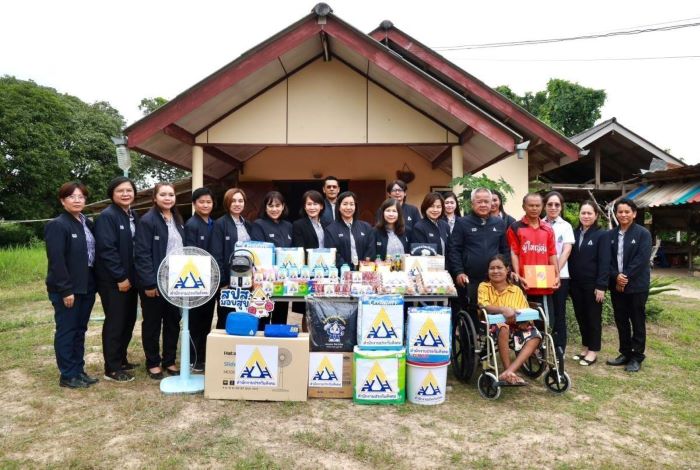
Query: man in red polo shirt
x=532, y=243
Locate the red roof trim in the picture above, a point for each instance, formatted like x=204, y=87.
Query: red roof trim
x=478, y=89
x=398, y=69
x=217, y=83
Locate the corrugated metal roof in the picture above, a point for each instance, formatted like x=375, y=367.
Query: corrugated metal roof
x=672, y=194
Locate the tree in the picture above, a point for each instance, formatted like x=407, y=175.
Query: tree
x=148, y=169
x=567, y=107
x=469, y=183
x=46, y=139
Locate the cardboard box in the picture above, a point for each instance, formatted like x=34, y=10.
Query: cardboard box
x=539, y=276
x=416, y=264
x=263, y=253
x=330, y=382
x=256, y=367
x=320, y=257
x=289, y=257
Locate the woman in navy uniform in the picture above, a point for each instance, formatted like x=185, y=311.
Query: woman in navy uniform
x=159, y=232
x=229, y=229
x=451, y=212
x=272, y=228
x=432, y=228
x=589, y=268
x=70, y=282
x=630, y=274
x=349, y=236
x=198, y=231
x=389, y=237
x=115, y=229
x=307, y=231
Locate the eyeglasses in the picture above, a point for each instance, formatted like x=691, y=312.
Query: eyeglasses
x=397, y=190
x=76, y=197
x=553, y=204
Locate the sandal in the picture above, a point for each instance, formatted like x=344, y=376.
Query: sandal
x=588, y=362
x=579, y=356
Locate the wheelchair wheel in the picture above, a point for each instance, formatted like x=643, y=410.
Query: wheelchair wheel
x=464, y=358
x=533, y=367
x=487, y=386
x=557, y=386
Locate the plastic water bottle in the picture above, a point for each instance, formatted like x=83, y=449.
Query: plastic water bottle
x=345, y=268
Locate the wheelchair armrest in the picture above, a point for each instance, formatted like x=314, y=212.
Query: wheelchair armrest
x=535, y=305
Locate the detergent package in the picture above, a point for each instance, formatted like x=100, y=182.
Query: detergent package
x=332, y=324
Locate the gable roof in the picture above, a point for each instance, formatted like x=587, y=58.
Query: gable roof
x=169, y=132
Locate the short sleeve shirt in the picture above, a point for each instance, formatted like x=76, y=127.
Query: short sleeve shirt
x=512, y=296
x=563, y=234
x=533, y=246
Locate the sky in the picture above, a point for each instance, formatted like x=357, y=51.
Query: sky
x=123, y=51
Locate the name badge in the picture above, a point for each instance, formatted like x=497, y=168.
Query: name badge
x=379, y=243
x=431, y=235
x=409, y=218
x=156, y=237
x=121, y=227
x=473, y=229
x=340, y=235
x=271, y=235
x=362, y=233
x=289, y=237
x=74, y=235
x=227, y=237
x=201, y=237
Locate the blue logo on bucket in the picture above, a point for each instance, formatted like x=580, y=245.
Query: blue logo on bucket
x=429, y=387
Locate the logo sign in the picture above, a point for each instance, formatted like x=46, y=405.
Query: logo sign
x=188, y=276
x=256, y=303
x=325, y=369
x=429, y=387
x=380, y=379
x=335, y=329
x=428, y=340
x=382, y=327
x=256, y=366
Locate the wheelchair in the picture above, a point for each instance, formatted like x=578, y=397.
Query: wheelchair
x=472, y=345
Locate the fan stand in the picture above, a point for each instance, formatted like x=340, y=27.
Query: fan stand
x=185, y=382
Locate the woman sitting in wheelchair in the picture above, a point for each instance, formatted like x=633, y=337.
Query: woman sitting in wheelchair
x=499, y=296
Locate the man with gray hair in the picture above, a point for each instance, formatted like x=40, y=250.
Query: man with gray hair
x=475, y=238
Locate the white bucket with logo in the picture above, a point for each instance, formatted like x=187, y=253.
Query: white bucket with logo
x=426, y=383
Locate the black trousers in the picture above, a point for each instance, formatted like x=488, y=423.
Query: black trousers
x=557, y=318
x=221, y=314
x=118, y=328
x=157, y=314
x=589, y=315
x=200, y=326
x=630, y=319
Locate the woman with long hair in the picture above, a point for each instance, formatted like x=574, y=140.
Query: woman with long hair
x=272, y=227
x=452, y=212
x=497, y=209
x=115, y=230
x=229, y=229
x=160, y=231
x=432, y=228
x=389, y=237
x=564, y=241
x=70, y=282
x=589, y=269
x=347, y=234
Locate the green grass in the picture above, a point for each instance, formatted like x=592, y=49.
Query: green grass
x=609, y=419
x=22, y=265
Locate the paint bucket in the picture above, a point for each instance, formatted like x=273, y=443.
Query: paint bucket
x=426, y=383
x=428, y=332
x=379, y=377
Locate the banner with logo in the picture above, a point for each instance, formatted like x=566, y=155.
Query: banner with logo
x=256, y=366
x=188, y=275
x=325, y=369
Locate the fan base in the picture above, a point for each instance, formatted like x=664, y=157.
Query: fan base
x=180, y=384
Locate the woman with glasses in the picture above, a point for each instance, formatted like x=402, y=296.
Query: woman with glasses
x=116, y=277
x=70, y=282
x=564, y=241
x=397, y=190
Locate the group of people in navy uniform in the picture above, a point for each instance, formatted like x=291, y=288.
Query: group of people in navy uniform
x=118, y=257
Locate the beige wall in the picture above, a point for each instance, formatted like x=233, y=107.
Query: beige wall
x=326, y=103
x=515, y=172
x=360, y=163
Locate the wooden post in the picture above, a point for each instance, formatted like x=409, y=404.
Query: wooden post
x=457, y=166
x=197, y=167
x=596, y=157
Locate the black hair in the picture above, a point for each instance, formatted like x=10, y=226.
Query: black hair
x=506, y=263
x=341, y=196
x=445, y=195
x=116, y=182
x=199, y=192
x=314, y=196
x=399, y=225
x=626, y=201
x=328, y=178
x=269, y=197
